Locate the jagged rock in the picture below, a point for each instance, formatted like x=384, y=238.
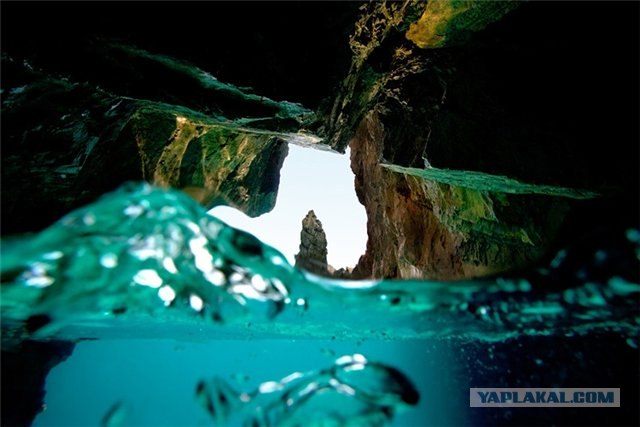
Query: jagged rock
x=434, y=85
x=424, y=228
x=342, y=273
x=259, y=52
x=125, y=70
x=66, y=143
x=491, y=102
x=313, y=246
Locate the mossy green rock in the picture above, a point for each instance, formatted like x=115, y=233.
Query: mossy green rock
x=66, y=143
x=446, y=22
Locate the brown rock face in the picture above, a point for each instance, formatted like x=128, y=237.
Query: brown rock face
x=422, y=228
x=313, y=246
x=405, y=237
x=437, y=117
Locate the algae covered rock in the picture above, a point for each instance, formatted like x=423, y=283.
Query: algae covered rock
x=65, y=143
x=467, y=85
x=445, y=22
x=443, y=224
x=483, y=144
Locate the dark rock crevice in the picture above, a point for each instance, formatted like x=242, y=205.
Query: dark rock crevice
x=24, y=371
x=283, y=50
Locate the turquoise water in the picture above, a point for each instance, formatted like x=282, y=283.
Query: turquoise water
x=151, y=365
x=162, y=298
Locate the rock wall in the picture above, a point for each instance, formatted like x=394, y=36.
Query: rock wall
x=423, y=228
x=475, y=85
x=467, y=86
x=215, y=162
x=65, y=143
x=285, y=51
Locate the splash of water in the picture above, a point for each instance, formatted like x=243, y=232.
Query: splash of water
x=351, y=392
x=153, y=255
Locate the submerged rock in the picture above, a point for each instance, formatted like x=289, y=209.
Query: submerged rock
x=313, y=246
x=25, y=367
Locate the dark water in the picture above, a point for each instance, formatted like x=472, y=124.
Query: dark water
x=185, y=321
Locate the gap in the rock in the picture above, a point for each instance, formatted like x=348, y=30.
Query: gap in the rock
x=310, y=179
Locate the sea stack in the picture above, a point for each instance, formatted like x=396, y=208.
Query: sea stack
x=313, y=246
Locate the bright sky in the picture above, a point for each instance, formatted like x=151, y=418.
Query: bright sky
x=310, y=179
